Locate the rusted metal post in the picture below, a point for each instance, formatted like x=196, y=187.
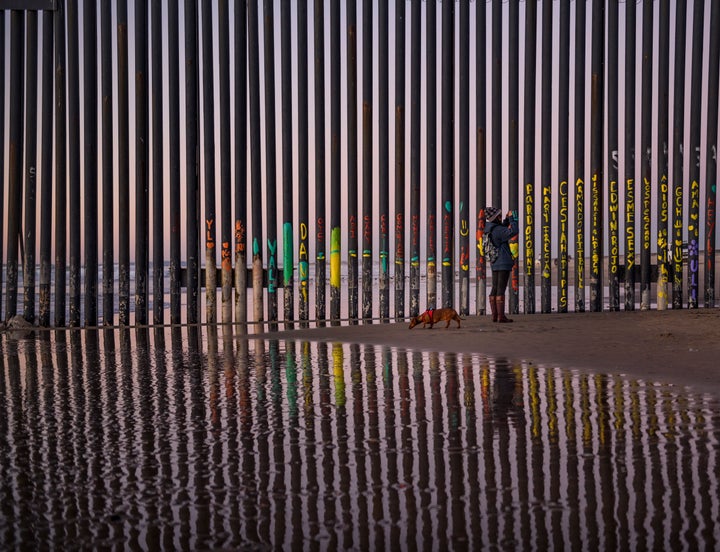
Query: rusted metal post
x=287, y=167
x=90, y=157
x=335, y=185
x=431, y=152
x=529, y=160
x=663, y=205
x=367, y=154
x=711, y=163
x=60, y=165
x=629, y=199
x=415, y=156
x=383, y=163
x=2, y=152
x=208, y=108
x=563, y=229
x=596, y=156
x=612, y=141
x=192, y=163
x=546, y=149
x=31, y=124
x=352, y=163
x=320, y=260
x=270, y=161
x=240, y=40
x=46, y=172
x=123, y=165
x=693, y=229
x=108, y=195
x=448, y=155
x=399, y=218
x=158, y=160
x=481, y=177
x=464, y=158
x=142, y=155
x=74, y=162
x=646, y=153
x=678, y=153
x=303, y=163
x=174, y=161
x=513, y=155
x=226, y=278
x=579, y=158
x=256, y=175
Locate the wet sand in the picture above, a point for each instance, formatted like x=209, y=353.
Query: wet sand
x=678, y=347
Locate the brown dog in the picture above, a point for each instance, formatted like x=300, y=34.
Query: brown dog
x=433, y=316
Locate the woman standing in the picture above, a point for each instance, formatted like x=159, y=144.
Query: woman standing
x=500, y=233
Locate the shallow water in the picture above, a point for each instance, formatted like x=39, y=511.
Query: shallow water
x=189, y=439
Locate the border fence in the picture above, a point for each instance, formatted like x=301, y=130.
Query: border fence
x=107, y=158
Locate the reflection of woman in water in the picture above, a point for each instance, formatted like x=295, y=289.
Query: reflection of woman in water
x=505, y=404
x=500, y=233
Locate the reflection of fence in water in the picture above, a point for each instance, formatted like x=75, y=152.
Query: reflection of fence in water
x=283, y=441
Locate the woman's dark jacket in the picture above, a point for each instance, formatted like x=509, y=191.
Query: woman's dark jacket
x=501, y=234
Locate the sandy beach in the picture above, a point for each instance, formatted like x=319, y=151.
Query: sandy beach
x=678, y=347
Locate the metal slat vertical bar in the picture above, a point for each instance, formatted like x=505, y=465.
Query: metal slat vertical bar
x=663, y=206
x=612, y=141
x=431, y=151
x=31, y=123
x=142, y=174
x=415, y=156
x=270, y=160
x=208, y=118
x=563, y=229
x=158, y=183
x=90, y=158
x=546, y=160
x=303, y=169
x=123, y=165
x=646, y=152
x=255, y=168
x=399, y=218
x=192, y=163
x=464, y=158
x=580, y=48
x=481, y=154
x=108, y=198
x=448, y=154
x=226, y=280
x=335, y=201
x=367, y=155
x=74, y=163
x=46, y=170
x=60, y=165
x=529, y=132
x=711, y=162
x=2, y=153
x=383, y=162
x=352, y=162
x=629, y=199
x=15, y=177
x=287, y=166
x=693, y=227
x=513, y=154
x=596, y=157
x=678, y=152
x=174, y=161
